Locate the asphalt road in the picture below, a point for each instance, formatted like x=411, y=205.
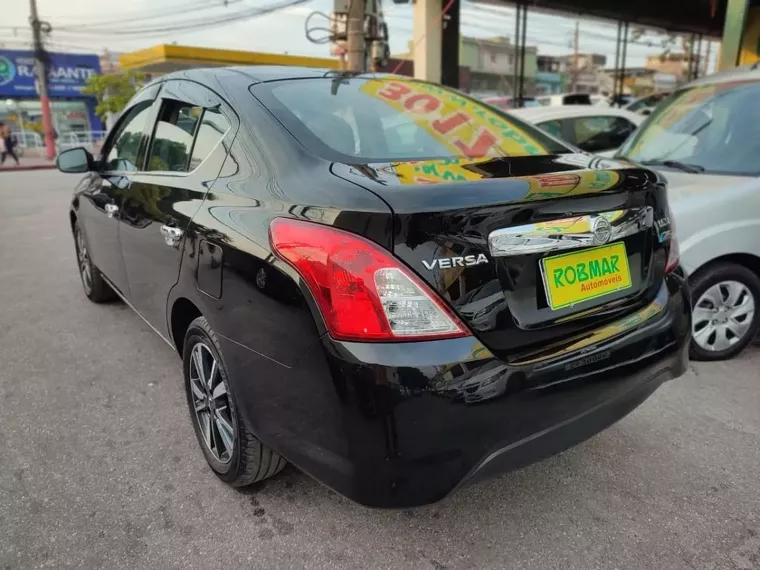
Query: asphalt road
x=99, y=467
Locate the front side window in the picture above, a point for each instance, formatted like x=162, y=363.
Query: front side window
x=123, y=154
x=390, y=119
x=707, y=128
x=173, y=138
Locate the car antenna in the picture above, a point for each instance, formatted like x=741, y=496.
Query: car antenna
x=339, y=77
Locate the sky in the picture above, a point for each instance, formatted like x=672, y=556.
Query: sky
x=97, y=25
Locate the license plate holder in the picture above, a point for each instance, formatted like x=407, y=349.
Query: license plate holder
x=576, y=277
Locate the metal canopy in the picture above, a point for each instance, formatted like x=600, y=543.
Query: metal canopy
x=701, y=17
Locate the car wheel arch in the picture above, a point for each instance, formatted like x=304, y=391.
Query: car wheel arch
x=748, y=260
x=183, y=312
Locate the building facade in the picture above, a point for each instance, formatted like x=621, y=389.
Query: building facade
x=549, y=77
x=676, y=64
x=584, y=71
x=73, y=113
x=492, y=65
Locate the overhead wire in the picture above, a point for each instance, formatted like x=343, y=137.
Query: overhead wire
x=195, y=6
x=189, y=25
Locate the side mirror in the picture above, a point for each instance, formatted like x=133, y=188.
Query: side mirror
x=74, y=161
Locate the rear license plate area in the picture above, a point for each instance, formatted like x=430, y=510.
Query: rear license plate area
x=573, y=278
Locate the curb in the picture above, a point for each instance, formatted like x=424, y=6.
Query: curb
x=30, y=167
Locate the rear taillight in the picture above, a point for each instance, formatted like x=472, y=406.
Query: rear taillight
x=363, y=292
x=673, y=251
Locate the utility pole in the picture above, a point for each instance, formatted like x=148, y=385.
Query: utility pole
x=574, y=83
x=706, y=62
x=357, y=52
x=41, y=67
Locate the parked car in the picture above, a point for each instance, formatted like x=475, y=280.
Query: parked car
x=593, y=129
x=397, y=309
x=507, y=103
x=564, y=99
x=645, y=105
x=705, y=141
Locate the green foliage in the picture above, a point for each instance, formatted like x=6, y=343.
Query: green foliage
x=113, y=92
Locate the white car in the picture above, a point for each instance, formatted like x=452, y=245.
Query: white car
x=705, y=140
x=589, y=127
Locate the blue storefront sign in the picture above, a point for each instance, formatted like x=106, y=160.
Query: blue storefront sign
x=67, y=73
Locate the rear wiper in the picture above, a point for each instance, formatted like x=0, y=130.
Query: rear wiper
x=692, y=168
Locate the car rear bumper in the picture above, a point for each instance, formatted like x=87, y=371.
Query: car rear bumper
x=401, y=425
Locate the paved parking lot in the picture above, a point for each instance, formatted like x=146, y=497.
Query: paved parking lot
x=99, y=467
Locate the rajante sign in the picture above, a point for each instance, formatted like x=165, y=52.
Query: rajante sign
x=67, y=73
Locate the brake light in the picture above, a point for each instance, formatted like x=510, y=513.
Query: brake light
x=363, y=292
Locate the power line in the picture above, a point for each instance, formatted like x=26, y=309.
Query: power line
x=188, y=25
x=195, y=6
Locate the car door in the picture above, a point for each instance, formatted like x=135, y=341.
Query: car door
x=100, y=204
x=184, y=155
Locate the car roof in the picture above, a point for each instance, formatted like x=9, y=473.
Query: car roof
x=262, y=73
x=537, y=114
x=742, y=73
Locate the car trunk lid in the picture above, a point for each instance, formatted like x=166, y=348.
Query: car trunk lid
x=530, y=252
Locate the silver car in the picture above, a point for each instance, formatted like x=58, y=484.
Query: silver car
x=705, y=139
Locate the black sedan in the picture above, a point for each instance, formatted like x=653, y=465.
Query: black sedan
x=390, y=285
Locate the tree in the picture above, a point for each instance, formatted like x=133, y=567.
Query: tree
x=113, y=91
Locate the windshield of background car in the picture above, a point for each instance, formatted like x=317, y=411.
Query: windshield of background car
x=394, y=119
x=715, y=128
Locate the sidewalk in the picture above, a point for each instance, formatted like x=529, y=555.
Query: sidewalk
x=27, y=163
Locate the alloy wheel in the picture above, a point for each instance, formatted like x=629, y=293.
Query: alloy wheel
x=211, y=403
x=85, y=267
x=722, y=316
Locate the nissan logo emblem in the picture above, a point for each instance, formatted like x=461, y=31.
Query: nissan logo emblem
x=602, y=230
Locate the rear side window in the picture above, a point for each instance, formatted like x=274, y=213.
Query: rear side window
x=123, y=154
x=597, y=134
x=394, y=119
x=173, y=138
x=213, y=127
x=554, y=128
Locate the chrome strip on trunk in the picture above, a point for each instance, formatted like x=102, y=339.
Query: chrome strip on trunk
x=558, y=235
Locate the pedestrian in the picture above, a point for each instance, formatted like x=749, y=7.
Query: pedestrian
x=8, y=145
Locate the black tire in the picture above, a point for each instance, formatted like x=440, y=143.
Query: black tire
x=95, y=287
x=709, y=277
x=250, y=460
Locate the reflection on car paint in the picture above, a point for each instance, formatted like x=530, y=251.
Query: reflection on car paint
x=612, y=330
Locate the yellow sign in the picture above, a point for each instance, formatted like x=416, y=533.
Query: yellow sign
x=576, y=277
x=463, y=126
x=548, y=186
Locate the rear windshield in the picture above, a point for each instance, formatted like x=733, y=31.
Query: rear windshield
x=395, y=119
x=577, y=99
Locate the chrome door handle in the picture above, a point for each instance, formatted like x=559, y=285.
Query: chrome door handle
x=111, y=210
x=570, y=233
x=171, y=235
